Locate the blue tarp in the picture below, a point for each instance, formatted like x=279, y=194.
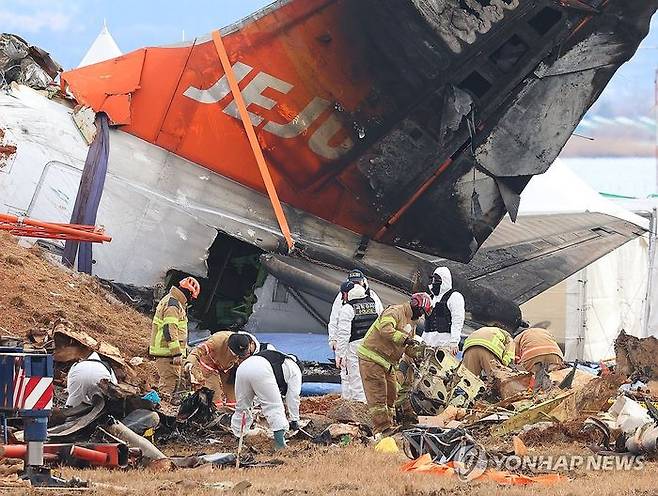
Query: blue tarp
x=309, y=347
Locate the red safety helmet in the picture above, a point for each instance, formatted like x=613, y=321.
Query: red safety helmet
x=192, y=285
x=421, y=301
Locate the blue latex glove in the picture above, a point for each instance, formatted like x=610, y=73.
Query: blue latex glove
x=152, y=396
x=279, y=440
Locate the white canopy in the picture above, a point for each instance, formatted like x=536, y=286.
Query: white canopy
x=560, y=190
x=103, y=48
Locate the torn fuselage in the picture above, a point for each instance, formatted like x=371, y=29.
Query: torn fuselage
x=418, y=122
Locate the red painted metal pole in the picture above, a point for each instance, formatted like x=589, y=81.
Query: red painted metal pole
x=56, y=228
x=90, y=455
x=13, y=451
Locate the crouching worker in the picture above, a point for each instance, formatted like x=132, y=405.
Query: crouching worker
x=84, y=377
x=355, y=318
x=212, y=364
x=536, y=348
x=83, y=383
x=486, y=344
x=389, y=337
x=268, y=376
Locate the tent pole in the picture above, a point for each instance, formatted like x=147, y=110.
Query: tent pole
x=652, y=255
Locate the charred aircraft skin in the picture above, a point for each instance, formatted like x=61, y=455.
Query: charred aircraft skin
x=523, y=73
x=381, y=116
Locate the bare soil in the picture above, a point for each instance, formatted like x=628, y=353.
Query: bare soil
x=35, y=292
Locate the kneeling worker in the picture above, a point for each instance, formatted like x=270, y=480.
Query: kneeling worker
x=212, y=363
x=268, y=376
x=389, y=337
x=486, y=344
x=355, y=318
x=536, y=347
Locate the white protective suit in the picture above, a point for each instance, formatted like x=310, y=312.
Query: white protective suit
x=83, y=378
x=254, y=380
x=332, y=327
x=346, y=350
x=455, y=305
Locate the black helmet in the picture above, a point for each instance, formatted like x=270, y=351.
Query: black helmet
x=239, y=344
x=346, y=286
x=355, y=275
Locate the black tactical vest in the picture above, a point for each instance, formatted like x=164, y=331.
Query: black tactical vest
x=440, y=320
x=365, y=313
x=276, y=359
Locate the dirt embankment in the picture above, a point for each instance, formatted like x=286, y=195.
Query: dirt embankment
x=35, y=292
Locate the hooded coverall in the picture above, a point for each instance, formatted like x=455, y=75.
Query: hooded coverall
x=212, y=364
x=379, y=356
x=486, y=344
x=332, y=328
x=255, y=379
x=354, y=320
x=83, y=379
x=169, y=339
x=536, y=346
x=443, y=327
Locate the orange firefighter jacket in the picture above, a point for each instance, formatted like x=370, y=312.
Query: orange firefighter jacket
x=214, y=354
x=534, y=342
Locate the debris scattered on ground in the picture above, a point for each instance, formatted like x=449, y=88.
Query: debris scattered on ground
x=425, y=465
x=608, y=412
x=636, y=358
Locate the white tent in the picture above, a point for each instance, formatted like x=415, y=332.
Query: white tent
x=103, y=48
x=588, y=310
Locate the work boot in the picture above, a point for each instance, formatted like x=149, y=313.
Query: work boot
x=381, y=419
x=405, y=414
x=279, y=440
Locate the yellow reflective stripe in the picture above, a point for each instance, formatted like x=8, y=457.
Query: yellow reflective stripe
x=507, y=358
x=367, y=354
x=399, y=337
x=495, y=346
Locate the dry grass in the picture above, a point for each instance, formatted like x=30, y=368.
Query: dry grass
x=353, y=471
x=35, y=292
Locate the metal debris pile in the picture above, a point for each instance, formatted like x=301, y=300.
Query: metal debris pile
x=607, y=408
x=26, y=64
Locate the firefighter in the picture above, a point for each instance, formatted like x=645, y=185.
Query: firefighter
x=486, y=344
x=390, y=336
x=169, y=333
x=268, y=376
x=355, y=318
x=443, y=328
x=213, y=363
x=536, y=347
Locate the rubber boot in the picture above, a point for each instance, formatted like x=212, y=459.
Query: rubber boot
x=279, y=440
